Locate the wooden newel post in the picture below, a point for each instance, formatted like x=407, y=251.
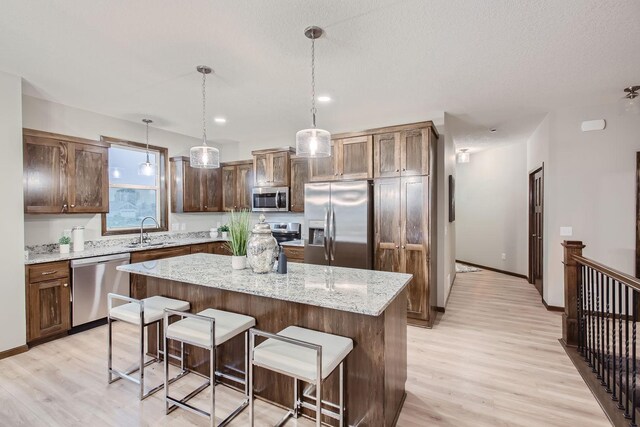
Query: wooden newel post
x=571, y=278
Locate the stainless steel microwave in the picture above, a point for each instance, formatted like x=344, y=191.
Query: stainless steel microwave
x=270, y=199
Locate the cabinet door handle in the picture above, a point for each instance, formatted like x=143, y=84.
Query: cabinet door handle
x=73, y=206
x=48, y=273
x=205, y=207
x=341, y=174
x=65, y=285
x=396, y=246
x=404, y=169
x=402, y=246
x=397, y=170
x=64, y=207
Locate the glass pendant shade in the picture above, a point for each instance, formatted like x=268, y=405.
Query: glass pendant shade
x=313, y=143
x=630, y=105
x=204, y=156
x=144, y=169
x=463, y=157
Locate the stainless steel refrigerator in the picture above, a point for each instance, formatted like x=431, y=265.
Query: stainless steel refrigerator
x=339, y=221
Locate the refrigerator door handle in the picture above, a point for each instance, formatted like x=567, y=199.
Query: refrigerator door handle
x=325, y=237
x=332, y=223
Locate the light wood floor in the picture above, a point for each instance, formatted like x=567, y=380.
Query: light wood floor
x=492, y=360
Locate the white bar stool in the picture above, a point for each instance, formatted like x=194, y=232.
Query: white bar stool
x=208, y=329
x=306, y=355
x=142, y=313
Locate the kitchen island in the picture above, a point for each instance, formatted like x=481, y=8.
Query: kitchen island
x=368, y=306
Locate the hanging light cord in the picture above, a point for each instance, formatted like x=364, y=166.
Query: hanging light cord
x=147, y=142
x=204, y=105
x=313, y=81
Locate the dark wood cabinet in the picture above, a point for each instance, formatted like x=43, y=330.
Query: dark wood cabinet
x=48, y=296
x=64, y=174
x=402, y=153
x=402, y=239
x=299, y=177
x=237, y=182
x=194, y=189
x=294, y=253
x=272, y=167
x=351, y=158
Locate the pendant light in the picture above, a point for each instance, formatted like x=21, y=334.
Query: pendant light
x=204, y=156
x=146, y=168
x=313, y=142
x=464, y=156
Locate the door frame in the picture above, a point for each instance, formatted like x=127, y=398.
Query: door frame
x=638, y=214
x=530, y=209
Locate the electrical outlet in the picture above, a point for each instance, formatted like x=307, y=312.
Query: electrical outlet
x=504, y=257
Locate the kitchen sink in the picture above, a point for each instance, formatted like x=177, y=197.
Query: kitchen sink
x=144, y=245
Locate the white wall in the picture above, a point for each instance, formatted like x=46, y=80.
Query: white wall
x=591, y=186
x=446, y=233
x=491, y=208
x=52, y=117
x=12, y=291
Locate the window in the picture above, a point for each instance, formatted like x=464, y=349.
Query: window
x=133, y=196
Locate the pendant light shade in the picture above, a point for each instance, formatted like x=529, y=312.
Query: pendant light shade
x=464, y=156
x=146, y=168
x=203, y=156
x=313, y=142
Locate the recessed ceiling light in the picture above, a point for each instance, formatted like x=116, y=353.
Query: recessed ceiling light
x=220, y=120
x=493, y=130
x=324, y=98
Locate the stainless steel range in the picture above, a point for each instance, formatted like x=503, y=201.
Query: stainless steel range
x=286, y=231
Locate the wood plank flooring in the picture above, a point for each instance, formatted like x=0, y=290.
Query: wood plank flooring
x=493, y=359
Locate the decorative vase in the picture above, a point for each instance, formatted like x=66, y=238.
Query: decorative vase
x=262, y=248
x=225, y=235
x=238, y=262
x=64, y=249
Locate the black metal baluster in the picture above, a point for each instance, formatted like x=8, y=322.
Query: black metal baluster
x=600, y=349
x=594, y=324
x=620, y=364
x=634, y=371
x=581, y=325
x=626, y=351
x=589, y=316
x=608, y=352
x=613, y=338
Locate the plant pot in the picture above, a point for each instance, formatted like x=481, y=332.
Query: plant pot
x=64, y=249
x=238, y=262
x=225, y=235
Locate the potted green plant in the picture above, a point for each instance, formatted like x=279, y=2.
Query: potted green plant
x=224, y=230
x=65, y=242
x=238, y=230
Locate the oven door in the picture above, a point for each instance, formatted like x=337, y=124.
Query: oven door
x=270, y=199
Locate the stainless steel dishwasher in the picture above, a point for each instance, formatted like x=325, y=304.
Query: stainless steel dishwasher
x=92, y=279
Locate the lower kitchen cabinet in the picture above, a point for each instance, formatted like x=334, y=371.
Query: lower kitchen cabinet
x=48, y=297
x=294, y=253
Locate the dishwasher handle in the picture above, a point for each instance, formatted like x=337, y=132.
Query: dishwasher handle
x=84, y=262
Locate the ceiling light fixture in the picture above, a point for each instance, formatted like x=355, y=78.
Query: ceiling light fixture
x=220, y=120
x=324, y=98
x=631, y=100
x=313, y=142
x=463, y=156
x=146, y=168
x=493, y=130
x=204, y=156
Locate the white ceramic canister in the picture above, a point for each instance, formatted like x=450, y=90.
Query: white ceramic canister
x=77, y=236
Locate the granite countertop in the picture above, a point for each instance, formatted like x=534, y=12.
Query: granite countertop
x=353, y=290
x=296, y=243
x=38, y=258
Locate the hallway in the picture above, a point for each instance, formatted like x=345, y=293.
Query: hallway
x=494, y=360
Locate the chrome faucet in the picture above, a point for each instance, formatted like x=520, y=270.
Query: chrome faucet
x=142, y=227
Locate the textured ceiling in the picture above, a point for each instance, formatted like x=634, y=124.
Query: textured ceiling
x=383, y=62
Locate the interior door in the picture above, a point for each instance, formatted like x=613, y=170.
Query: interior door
x=350, y=220
x=386, y=155
x=414, y=213
x=536, y=221
x=387, y=225
x=45, y=176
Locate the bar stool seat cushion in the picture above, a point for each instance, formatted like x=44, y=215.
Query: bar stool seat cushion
x=197, y=331
x=299, y=361
x=153, y=309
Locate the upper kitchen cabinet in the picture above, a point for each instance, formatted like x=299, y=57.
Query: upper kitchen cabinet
x=237, y=182
x=193, y=189
x=402, y=153
x=351, y=158
x=271, y=167
x=299, y=177
x=64, y=174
